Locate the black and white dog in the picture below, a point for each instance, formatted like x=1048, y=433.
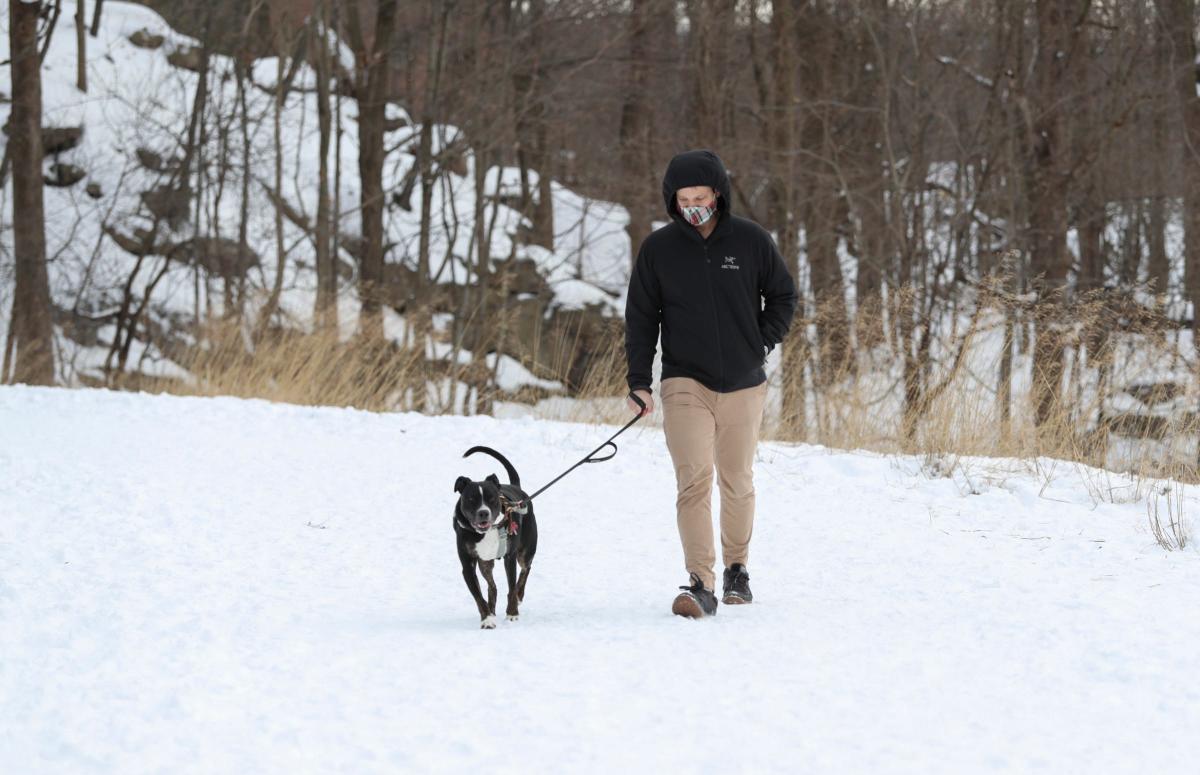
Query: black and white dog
x=494, y=521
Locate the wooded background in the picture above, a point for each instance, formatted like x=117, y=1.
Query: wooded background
x=922, y=165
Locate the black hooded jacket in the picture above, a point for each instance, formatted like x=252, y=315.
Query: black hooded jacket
x=721, y=303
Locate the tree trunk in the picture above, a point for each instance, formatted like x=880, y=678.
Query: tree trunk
x=533, y=151
x=32, y=328
x=822, y=216
x=1178, y=19
x=372, y=91
x=325, y=312
x=868, y=194
x=242, y=75
x=779, y=136
x=81, y=47
x=268, y=311
x=1047, y=232
x=711, y=23
x=1090, y=223
x=635, y=129
x=95, y=17
x=1158, y=270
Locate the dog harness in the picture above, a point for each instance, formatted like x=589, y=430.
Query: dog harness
x=493, y=545
x=511, y=507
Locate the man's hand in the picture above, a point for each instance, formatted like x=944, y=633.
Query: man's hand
x=645, y=396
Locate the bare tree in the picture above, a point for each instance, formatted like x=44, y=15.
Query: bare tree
x=325, y=311
x=1178, y=23
x=31, y=332
x=1059, y=25
x=371, y=82
x=81, y=46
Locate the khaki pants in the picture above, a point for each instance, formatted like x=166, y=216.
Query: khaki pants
x=703, y=428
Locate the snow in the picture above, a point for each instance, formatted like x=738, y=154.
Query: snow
x=216, y=585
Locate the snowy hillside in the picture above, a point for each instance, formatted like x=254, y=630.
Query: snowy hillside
x=213, y=585
x=133, y=120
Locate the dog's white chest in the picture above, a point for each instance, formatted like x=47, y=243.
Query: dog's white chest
x=492, y=546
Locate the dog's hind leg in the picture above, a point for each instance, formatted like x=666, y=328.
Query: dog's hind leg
x=529, y=542
x=526, y=562
x=510, y=570
x=486, y=569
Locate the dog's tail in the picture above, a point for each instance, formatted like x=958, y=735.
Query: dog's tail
x=513, y=477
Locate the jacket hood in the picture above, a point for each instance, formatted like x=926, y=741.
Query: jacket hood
x=695, y=168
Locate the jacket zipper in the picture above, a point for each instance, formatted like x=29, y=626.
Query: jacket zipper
x=712, y=297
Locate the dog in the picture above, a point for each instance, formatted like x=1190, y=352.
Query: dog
x=494, y=521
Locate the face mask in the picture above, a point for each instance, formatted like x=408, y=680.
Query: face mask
x=700, y=214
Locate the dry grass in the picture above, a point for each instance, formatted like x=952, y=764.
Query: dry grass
x=311, y=369
x=1175, y=534
x=947, y=399
x=943, y=400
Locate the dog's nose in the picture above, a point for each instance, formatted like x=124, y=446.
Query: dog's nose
x=483, y=513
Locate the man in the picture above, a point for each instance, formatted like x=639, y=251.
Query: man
x=716, y=287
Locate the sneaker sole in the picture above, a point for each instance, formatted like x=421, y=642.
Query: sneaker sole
x=735, y=600
x=687, y=606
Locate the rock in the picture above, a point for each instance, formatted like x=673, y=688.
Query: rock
x=521, y=276
x=172, y=205
x=1136, y=426
x=139, y=245
x=190, y=58
x=455, y=160
x=63, y=175
x=218, y=256
x=56, y=139
x=588, y=335
x=400, y=290
x=93, y=190
x=1154, y=393
x=150, y=160
x=143, y=38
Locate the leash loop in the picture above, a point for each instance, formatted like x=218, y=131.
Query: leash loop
x=611, y=455
x=590, y=456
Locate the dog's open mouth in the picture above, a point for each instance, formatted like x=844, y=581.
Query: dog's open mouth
x=483, y=527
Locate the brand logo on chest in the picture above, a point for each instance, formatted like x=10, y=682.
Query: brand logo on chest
x=730, y=263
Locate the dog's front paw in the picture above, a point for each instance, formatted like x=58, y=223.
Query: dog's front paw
x=488, y=624
x=512, y=617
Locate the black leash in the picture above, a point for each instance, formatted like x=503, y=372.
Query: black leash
x=589, y=459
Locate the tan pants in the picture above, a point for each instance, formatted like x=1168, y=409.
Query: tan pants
x=703, y=428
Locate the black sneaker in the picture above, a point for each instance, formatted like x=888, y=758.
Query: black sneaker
x=737, y=585
x=695, y=602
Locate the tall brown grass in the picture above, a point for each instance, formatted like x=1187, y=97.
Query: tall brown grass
x=932, y=385
x=291, y=367
x=938, y=384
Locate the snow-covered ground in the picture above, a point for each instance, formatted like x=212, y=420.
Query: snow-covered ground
x=215, y=585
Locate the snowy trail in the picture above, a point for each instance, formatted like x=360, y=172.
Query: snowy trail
x=214, y=585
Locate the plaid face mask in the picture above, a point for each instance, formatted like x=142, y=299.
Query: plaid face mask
x=700, y=214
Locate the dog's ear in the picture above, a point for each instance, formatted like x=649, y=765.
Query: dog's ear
x=460, y=483
x=494, y=479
